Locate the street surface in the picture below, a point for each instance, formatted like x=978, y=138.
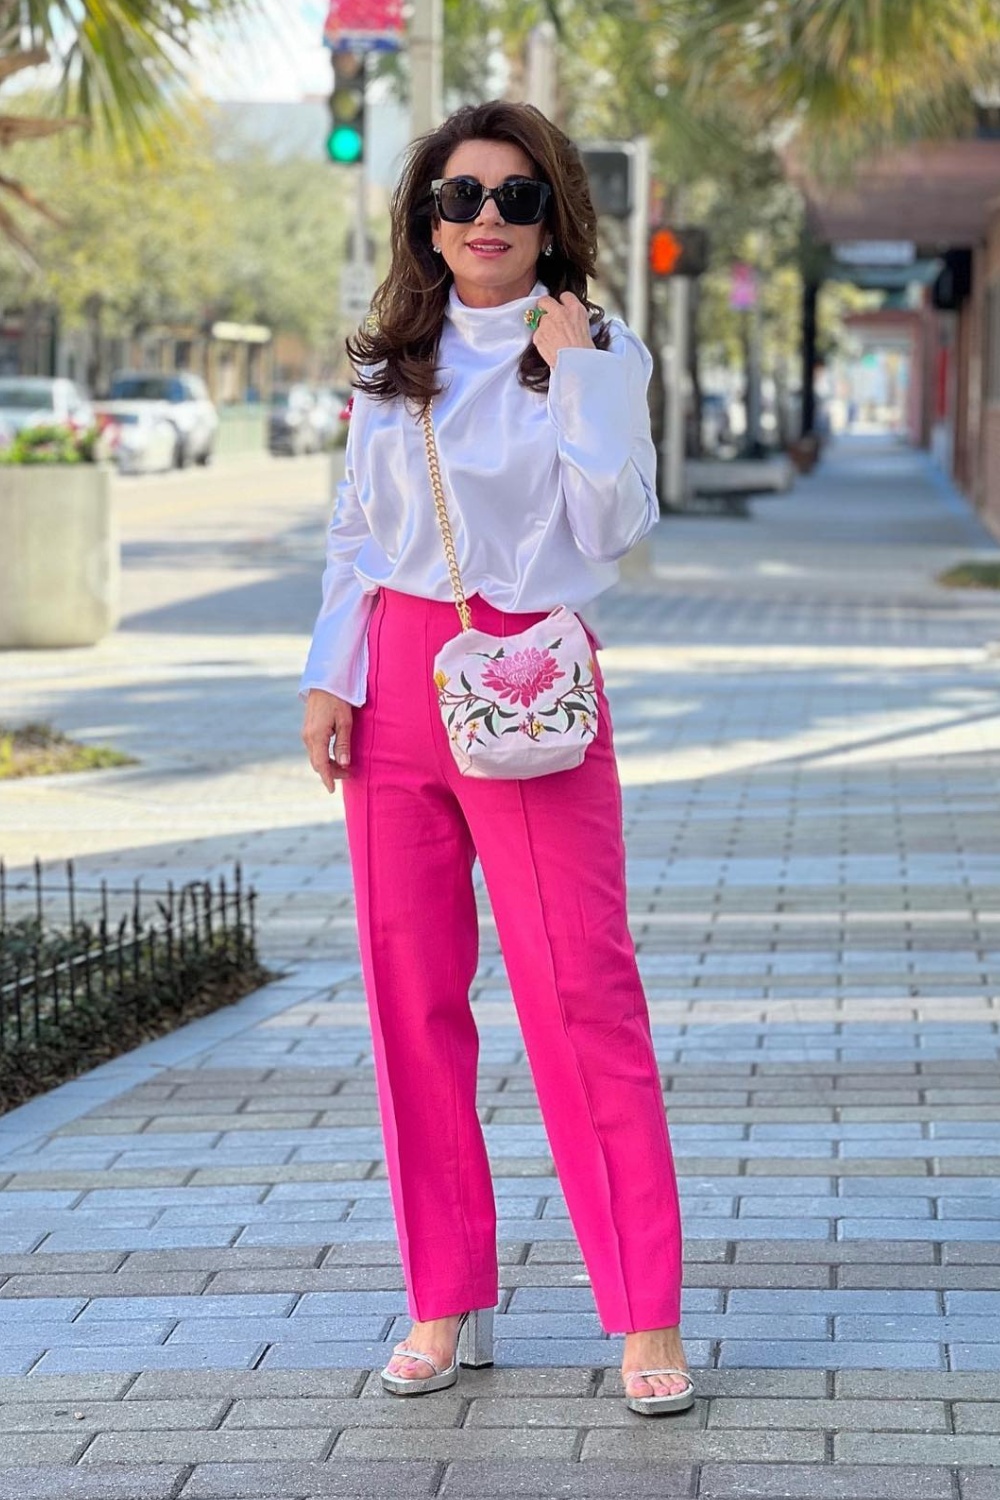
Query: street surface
x=196, y=1244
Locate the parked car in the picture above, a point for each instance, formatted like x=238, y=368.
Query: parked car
x=40, y=400
x=142, y=438
x=329, y=403
x=295, y=422
x=716, y=434
x=181, y=397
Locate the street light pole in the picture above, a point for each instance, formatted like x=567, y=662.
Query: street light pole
x=426, y=36
x=637, y=294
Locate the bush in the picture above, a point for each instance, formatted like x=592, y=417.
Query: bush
x=49, y=444
x=76, y=996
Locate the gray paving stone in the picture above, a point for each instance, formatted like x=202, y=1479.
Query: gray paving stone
x=842, y=1253
x=236, y=1258
x=930, y=1384
x=137, y=1331
x=653, y=1440
x=104, y=1284
x=944, y=1277
x=57, y=1265
x=41, y=1310
x=823, y=1481
x=92, y=1482
x=237, y=1355
x=974, y=1356
x=159, y=1385
x=977, y=1416
x=356, y=1479
x=324, y=1413
x=886, y=1303
x=782, y=1277
x=928, y=1448
x=524, y=1383
x=979, y=1484
x=279, y=1330
x=594, y=1480
x=42, y=1447
x=82, y=1416
x=118, y=1309
x=839, y=1354
x=114, y=1238
x=583, y=1413
x=261, y=1445
x=859, y=1415
x=61, y=1388
x=449, y=1442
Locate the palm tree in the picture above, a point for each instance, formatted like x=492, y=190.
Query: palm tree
x=851, y=73
x=118, y=65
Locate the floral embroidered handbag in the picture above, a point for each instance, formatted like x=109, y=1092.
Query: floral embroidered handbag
x=513, y=706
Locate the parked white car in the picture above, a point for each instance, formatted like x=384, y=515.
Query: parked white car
x=38, y=400
x=143, y=439
x=181, y=397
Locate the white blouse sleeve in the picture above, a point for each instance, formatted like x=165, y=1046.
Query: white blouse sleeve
x=597, y=401
x=338, y=656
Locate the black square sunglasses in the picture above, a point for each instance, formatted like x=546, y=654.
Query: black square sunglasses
x=520, y=200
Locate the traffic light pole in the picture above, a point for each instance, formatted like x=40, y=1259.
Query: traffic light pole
x=637, y=286
x=361, y=215
x=674, y=425
x=426, y=46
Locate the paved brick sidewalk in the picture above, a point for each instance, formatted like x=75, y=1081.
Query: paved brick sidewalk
x=197, y=1264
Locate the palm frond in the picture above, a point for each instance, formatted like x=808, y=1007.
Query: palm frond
x=15, y=128
x=121, y=61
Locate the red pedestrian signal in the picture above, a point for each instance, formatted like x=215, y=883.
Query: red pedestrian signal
x=665, y=250
x=678, y=252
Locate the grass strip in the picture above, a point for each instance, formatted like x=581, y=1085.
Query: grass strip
x=40, y=750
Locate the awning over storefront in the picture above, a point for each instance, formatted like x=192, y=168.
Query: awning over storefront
x=940, y=195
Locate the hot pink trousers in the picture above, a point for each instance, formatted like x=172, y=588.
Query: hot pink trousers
x=552, y=855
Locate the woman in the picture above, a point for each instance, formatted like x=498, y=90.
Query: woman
x=542, y=426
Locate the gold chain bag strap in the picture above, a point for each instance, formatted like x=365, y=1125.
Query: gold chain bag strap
x=513, y=706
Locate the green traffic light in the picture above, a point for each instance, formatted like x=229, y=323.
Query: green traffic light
x=344, y=144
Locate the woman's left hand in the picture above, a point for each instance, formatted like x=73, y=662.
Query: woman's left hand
x=566, y=325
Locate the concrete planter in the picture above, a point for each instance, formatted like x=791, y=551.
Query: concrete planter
x=59, y=555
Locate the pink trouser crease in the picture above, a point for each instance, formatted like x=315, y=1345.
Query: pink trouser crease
x=553, y=858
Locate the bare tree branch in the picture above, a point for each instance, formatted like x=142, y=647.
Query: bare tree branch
x=16, y=62
x=26, y=196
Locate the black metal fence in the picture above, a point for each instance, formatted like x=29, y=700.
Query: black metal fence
x=79, y=959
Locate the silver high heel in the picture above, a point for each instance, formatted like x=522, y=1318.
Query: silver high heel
x=473, y=1348
x=659, y=1406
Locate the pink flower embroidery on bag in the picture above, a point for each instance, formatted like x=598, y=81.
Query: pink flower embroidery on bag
x=523, y=677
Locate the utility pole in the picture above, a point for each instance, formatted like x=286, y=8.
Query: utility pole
x=637, y=299
x=674, y=426
x=426, y=37
x=542, y=82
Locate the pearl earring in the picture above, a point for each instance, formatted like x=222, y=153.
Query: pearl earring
x=436, y=249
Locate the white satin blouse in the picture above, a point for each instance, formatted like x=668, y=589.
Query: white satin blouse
x=543, y=492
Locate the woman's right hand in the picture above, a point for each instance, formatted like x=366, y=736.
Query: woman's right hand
x=328, y=717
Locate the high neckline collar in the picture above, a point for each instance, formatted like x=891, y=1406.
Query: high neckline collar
x=493, y=327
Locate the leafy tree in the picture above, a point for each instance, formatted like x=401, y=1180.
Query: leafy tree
x=119, y=65
x=849, y=73
x=202, y=230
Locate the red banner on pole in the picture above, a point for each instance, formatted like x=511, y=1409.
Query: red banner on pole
x=364, y=21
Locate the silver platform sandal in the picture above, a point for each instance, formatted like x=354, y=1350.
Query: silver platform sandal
x=474, y=1348
x=660, y=1406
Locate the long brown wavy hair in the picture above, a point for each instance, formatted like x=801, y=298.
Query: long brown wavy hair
x=400, y=339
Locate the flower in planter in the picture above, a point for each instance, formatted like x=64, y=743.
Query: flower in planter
x=50, y=444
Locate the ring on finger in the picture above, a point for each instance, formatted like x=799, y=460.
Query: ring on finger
x=534, y=316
